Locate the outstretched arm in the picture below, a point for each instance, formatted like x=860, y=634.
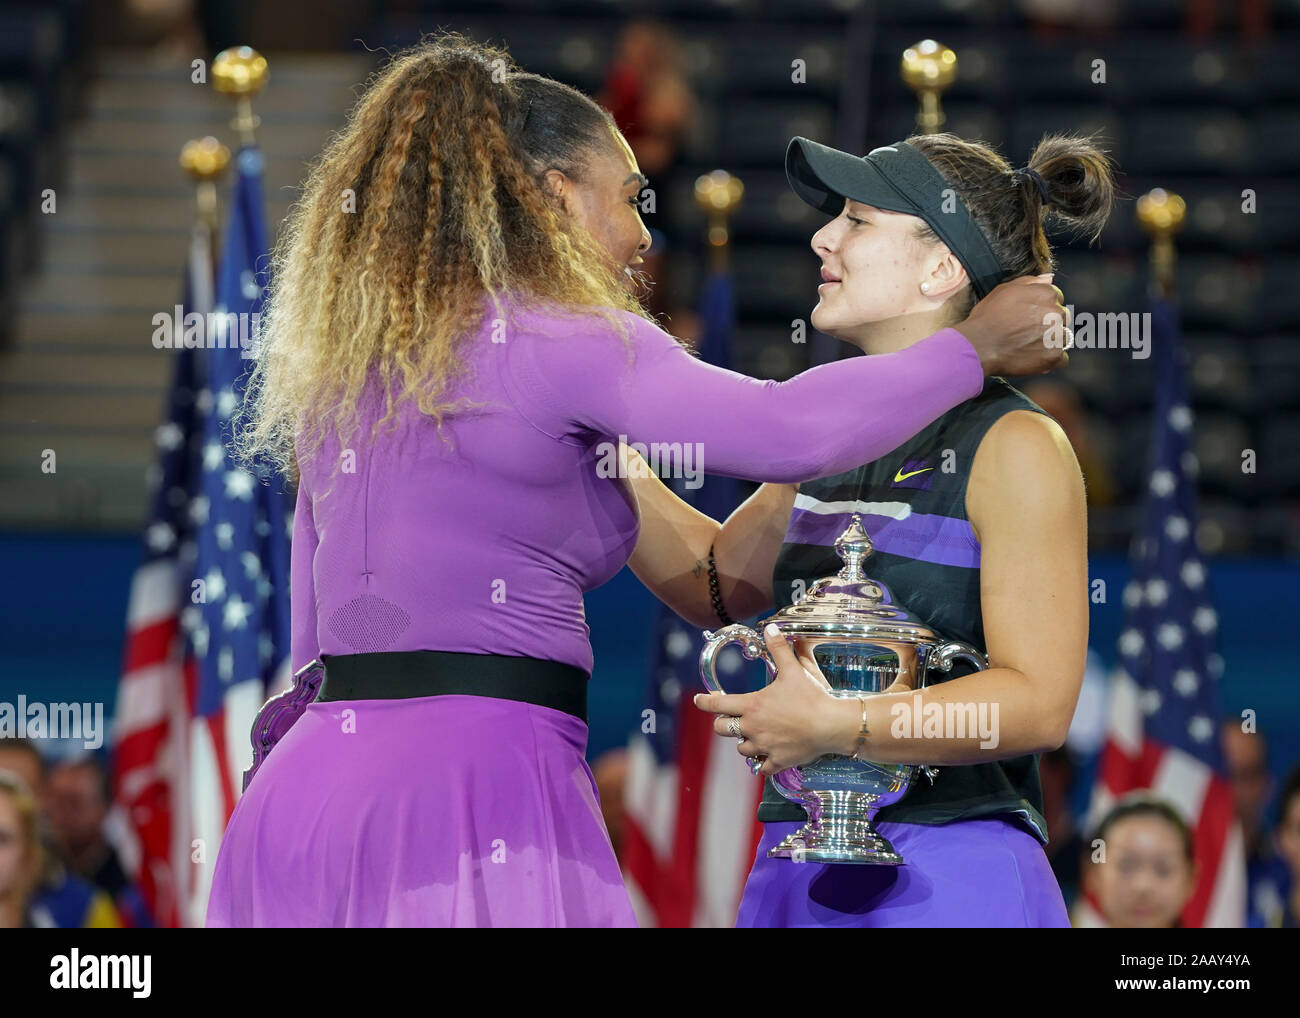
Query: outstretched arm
x=572, y=380
x=822, y=421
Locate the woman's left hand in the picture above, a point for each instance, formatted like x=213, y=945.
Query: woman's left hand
x=791, y=721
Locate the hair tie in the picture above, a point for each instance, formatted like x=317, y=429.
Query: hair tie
x=1024, y=172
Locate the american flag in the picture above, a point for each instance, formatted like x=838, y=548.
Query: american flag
x=208, y=617
x=691, y=828
x=1162, y=732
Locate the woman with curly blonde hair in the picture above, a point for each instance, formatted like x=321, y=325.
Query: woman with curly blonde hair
x=451, y=348
x=21, y=854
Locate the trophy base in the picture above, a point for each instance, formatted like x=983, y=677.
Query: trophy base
x=808, y=844
x=839, y=829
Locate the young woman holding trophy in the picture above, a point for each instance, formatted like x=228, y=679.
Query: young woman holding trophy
x=449, y=342
x=979, y=532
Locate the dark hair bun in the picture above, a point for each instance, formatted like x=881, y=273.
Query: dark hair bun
x=1078, y=177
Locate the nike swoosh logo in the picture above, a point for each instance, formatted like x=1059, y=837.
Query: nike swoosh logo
x=900, y=476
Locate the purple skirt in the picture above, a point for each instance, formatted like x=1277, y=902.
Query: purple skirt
x=429, y=811
x=968, y=873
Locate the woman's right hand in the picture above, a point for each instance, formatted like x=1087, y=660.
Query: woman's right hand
x=1021, y=328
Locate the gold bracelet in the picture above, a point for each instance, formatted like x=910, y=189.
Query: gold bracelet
x=862, y=732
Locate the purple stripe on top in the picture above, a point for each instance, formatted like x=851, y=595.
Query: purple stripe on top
x=940, y=540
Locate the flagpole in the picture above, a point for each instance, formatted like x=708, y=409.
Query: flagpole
x=1164, y=696
x=928, y=69
x=243, y=629
x=205, y=160
x=1161, y=213
x=718, y=194
x=241, y=72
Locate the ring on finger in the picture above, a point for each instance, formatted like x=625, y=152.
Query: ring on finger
x=733, y=728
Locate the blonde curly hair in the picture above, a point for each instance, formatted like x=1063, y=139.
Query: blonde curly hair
x=443, y=156
x=19, y=893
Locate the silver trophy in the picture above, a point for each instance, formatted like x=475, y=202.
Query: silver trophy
x=864, y=645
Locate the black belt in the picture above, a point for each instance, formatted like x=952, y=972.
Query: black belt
x=396, y=675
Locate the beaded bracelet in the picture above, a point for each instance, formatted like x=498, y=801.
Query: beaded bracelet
x=715, y=595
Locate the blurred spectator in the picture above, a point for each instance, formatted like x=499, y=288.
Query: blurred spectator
x=1148, y=872
x=610, y=771
x=78, y=796
x=177, y=30
x=21, y=757
x=1062, y=401
x=1267, y=879
x=1051, y=19
x=20, y=850
x=1056, y=771
x=60, y=899
x=647, y=92
x=1287, y=913
x=1252, y=18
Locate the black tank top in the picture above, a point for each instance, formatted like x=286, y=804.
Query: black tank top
x=913, y=505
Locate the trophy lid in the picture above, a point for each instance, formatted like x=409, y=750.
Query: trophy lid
x=850, y=602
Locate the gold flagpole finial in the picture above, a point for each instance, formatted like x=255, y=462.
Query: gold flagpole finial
x=928, y=68
x=717, y=194
x=241, y=72
x=205, y=160
x=1161, y=213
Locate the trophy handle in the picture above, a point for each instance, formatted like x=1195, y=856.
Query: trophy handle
x=941, y=659
x=944, y=656
x=751, y=645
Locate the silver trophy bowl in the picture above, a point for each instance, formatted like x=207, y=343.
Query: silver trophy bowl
x=863, y=645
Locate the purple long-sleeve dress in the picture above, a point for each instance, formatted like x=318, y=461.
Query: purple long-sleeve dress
x=463, y=810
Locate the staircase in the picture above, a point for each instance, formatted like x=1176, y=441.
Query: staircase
x=80, y=377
